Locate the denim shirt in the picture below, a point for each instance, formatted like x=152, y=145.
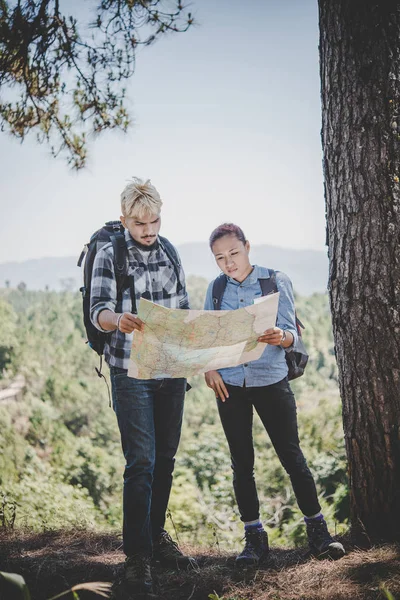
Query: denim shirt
x=271, y=367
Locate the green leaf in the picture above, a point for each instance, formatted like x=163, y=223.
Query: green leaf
x=13, y=587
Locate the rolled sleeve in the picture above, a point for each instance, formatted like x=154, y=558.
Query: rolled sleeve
x=103, y=292
x=183, y=296
x=286, y=310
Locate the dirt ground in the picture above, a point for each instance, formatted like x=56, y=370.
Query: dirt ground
x=52, y=562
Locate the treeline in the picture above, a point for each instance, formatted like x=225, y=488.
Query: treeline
x=60, y=459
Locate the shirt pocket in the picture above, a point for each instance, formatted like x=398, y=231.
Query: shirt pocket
x=140, y=280
x=165, y=280
x=257, y=294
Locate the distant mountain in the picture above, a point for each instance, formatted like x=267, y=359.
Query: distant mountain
x=308, y=269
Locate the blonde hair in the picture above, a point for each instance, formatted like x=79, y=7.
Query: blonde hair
x=140, y=199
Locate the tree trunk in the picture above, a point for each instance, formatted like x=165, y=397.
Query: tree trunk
x=360, y=71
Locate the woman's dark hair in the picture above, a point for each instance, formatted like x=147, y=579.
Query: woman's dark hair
x=227, y=229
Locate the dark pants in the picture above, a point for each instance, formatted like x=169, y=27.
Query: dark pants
x=149, y=414
x=276, y=406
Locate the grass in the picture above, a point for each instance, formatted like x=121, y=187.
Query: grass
x=52, y=562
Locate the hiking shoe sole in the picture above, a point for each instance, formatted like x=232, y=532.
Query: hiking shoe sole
x=334, y=551
x=243, y=562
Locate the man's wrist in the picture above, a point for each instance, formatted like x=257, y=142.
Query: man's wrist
x=119, y=317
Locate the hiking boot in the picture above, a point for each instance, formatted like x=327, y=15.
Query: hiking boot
x=320, y=540
x=256, y=547
x=168, y=554
x=138, y=573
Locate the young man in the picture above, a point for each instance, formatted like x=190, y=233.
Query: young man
x=149, y=412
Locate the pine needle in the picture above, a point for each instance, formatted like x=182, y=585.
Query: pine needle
x=102, y=588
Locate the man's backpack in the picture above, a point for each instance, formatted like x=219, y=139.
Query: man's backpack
x=113, y=231
x=297, y=358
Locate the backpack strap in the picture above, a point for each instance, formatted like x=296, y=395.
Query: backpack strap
x=170, y=251
x=120, y=254
x=218, y=289
x=100, y=374
x=121, y=268
x=173, y=256
x=268, y=286
x=82, y=255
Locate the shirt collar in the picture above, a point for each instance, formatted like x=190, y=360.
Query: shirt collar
x=256, y=274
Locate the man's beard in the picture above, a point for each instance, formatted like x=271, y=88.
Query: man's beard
x=152, y=246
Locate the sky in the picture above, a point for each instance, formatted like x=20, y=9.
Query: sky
x=226, y=124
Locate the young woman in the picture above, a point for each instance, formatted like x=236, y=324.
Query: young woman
x=262, y=384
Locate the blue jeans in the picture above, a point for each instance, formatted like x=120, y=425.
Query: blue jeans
x=276, y=407
x=149, y=414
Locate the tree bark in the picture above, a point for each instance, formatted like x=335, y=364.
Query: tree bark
x=360, y=90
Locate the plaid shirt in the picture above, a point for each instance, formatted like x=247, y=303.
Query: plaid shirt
x=155, y=279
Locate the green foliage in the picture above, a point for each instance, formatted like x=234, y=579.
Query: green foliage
x=186, y=511
x=8, y=318
x=197, y=288
x=12, y=443
x=61, y=462
x=8, y=511
x=60, y=446
x=321, y=374
x=43, y=503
